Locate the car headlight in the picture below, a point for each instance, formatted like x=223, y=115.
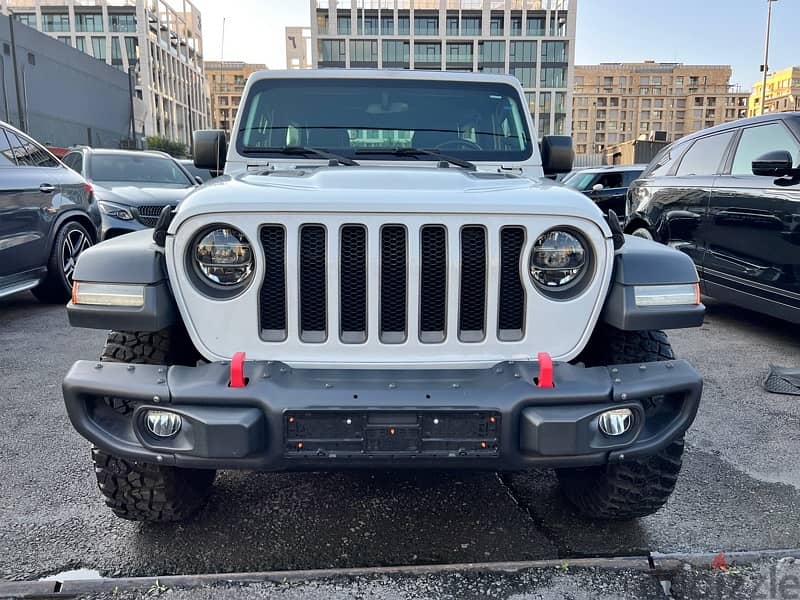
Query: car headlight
x=559, y=260
x=223, y=257
x=114, y=210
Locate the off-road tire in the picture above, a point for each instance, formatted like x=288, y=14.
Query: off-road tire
x=637, y=487
x=144, y=492
x=141, y=491
x=56, y=288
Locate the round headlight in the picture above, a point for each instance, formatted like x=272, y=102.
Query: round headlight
x=224, y=257
x=558, y=259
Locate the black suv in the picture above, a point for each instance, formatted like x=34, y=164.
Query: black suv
x=47, y=218
x=729, y=197
x=607, y=186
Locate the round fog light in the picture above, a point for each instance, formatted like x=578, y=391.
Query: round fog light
x=616, y=422
x=162, y=423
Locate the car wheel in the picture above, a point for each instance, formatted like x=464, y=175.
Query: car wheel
x=643, y=232
x=70, y=242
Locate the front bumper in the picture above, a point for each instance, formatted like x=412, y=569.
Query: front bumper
x=293, y=419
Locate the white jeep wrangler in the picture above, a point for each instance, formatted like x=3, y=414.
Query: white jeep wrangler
x=383, y=278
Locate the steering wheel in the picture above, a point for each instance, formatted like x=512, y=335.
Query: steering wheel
x=457, y=144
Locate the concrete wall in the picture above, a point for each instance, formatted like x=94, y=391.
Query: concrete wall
x=68, y=97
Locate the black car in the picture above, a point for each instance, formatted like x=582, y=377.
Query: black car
x=131, y=187
x=200, y=175
x=607, y=186
x=729, y=197
x=47, y=218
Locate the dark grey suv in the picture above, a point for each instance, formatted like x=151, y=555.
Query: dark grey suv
x=47, y=218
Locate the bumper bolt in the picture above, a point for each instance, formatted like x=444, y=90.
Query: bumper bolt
x=328, y=386
x=98, y=366
x=621, y=457
x=623, y=396
x=516, y=375
x=615, y=370
x=618, y=380
x=131, y=367
x=642, y=367
x=670, y=365
x=159, y=458
x=392, y=386
x=455, y=386
x=156, y=399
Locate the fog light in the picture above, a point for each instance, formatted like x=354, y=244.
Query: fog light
x=162, y=423
x=616, y=422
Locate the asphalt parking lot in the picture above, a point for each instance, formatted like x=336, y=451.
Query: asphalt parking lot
x=739, y=490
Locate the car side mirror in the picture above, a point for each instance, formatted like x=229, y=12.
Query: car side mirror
x=597, y=187
x=773, y=164
x=209, y=148
x=557, y=154
x=198, y=179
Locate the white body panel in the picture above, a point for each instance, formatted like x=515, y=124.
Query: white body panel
x=333, y=196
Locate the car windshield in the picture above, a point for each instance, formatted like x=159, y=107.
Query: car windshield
x=471, y=120
x=580, y=181
x=137, y=169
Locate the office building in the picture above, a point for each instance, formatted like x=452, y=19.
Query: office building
x=783, y=92
x=226, y=81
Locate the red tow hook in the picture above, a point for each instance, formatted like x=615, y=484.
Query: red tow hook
x=545, y=371
x=237, y=371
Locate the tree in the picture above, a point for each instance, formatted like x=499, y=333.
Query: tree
x=175, y=149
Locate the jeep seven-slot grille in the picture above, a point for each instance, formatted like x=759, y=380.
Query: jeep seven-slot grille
x=441, y=292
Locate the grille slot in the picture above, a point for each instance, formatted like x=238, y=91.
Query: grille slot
x=433, y=283
x=313, y=288
x=394, y=284
x=511, y=301
x=353, y=284
x=472, y=296
x=148, y=214
x=272, y=311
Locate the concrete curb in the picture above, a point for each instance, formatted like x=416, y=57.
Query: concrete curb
x=655, y=562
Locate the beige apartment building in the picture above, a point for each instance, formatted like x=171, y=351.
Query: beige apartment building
x=783, y=92
x=226, y=81
x=298, y=47
x=534, y=40
x=159, y=43
x=619, y=102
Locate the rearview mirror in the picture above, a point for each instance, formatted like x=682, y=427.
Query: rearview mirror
x=557, y=154
x=597, y=187
x=773, y=164
x=209, y=148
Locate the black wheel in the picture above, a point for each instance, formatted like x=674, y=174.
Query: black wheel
x=70, y=241
x=141, y=491
x=637, y=487
x=144, y=492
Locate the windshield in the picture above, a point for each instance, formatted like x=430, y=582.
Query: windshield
x=137, y=169
x=579, y=181
x=469, y=120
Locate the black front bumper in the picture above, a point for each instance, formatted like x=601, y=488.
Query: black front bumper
x=286, y=418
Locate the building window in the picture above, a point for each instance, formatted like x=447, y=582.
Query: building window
x=496, y=25
x=471, y=26
x=80, y=43
x=99, y=48
x=403, y=25
x=492, y=52
x=343, y=25
x=322, y=24
x=553, y=77
x=132, y=50
x=558, y=25
x=428, y=53
x=452, y=25
x=526, y=75
x=535, y=26
x=28, y=19
x=426, y=25
x=387, y=26
x=116, y=53
x=55, y=22
x=516, y=26
x=544, y=124
x=364, y=53
x=332, y=53
x=523, y=52
x=90, y=22
x=122, y=23
x=395, y=53
x=367, y=25
x=554, y=52
x=66, y=39
x=460, y=53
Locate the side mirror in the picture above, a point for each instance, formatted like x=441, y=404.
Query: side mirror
x=209, y=148
x=773, y=164
x=597, y=187
x=198, y=179
x=557, y=154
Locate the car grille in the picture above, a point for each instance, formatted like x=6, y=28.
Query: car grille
x=415, y=275
x=148, y=215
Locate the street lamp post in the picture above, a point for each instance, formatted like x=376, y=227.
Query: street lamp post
x=765, y=66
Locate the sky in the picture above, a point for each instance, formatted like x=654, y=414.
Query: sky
x=729, y=32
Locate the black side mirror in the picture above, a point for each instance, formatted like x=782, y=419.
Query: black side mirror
x=773, y=164
x=209, y=149
x=557, y=154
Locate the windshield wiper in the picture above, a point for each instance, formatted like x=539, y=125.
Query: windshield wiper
x=417, y=152
x=304, y=151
